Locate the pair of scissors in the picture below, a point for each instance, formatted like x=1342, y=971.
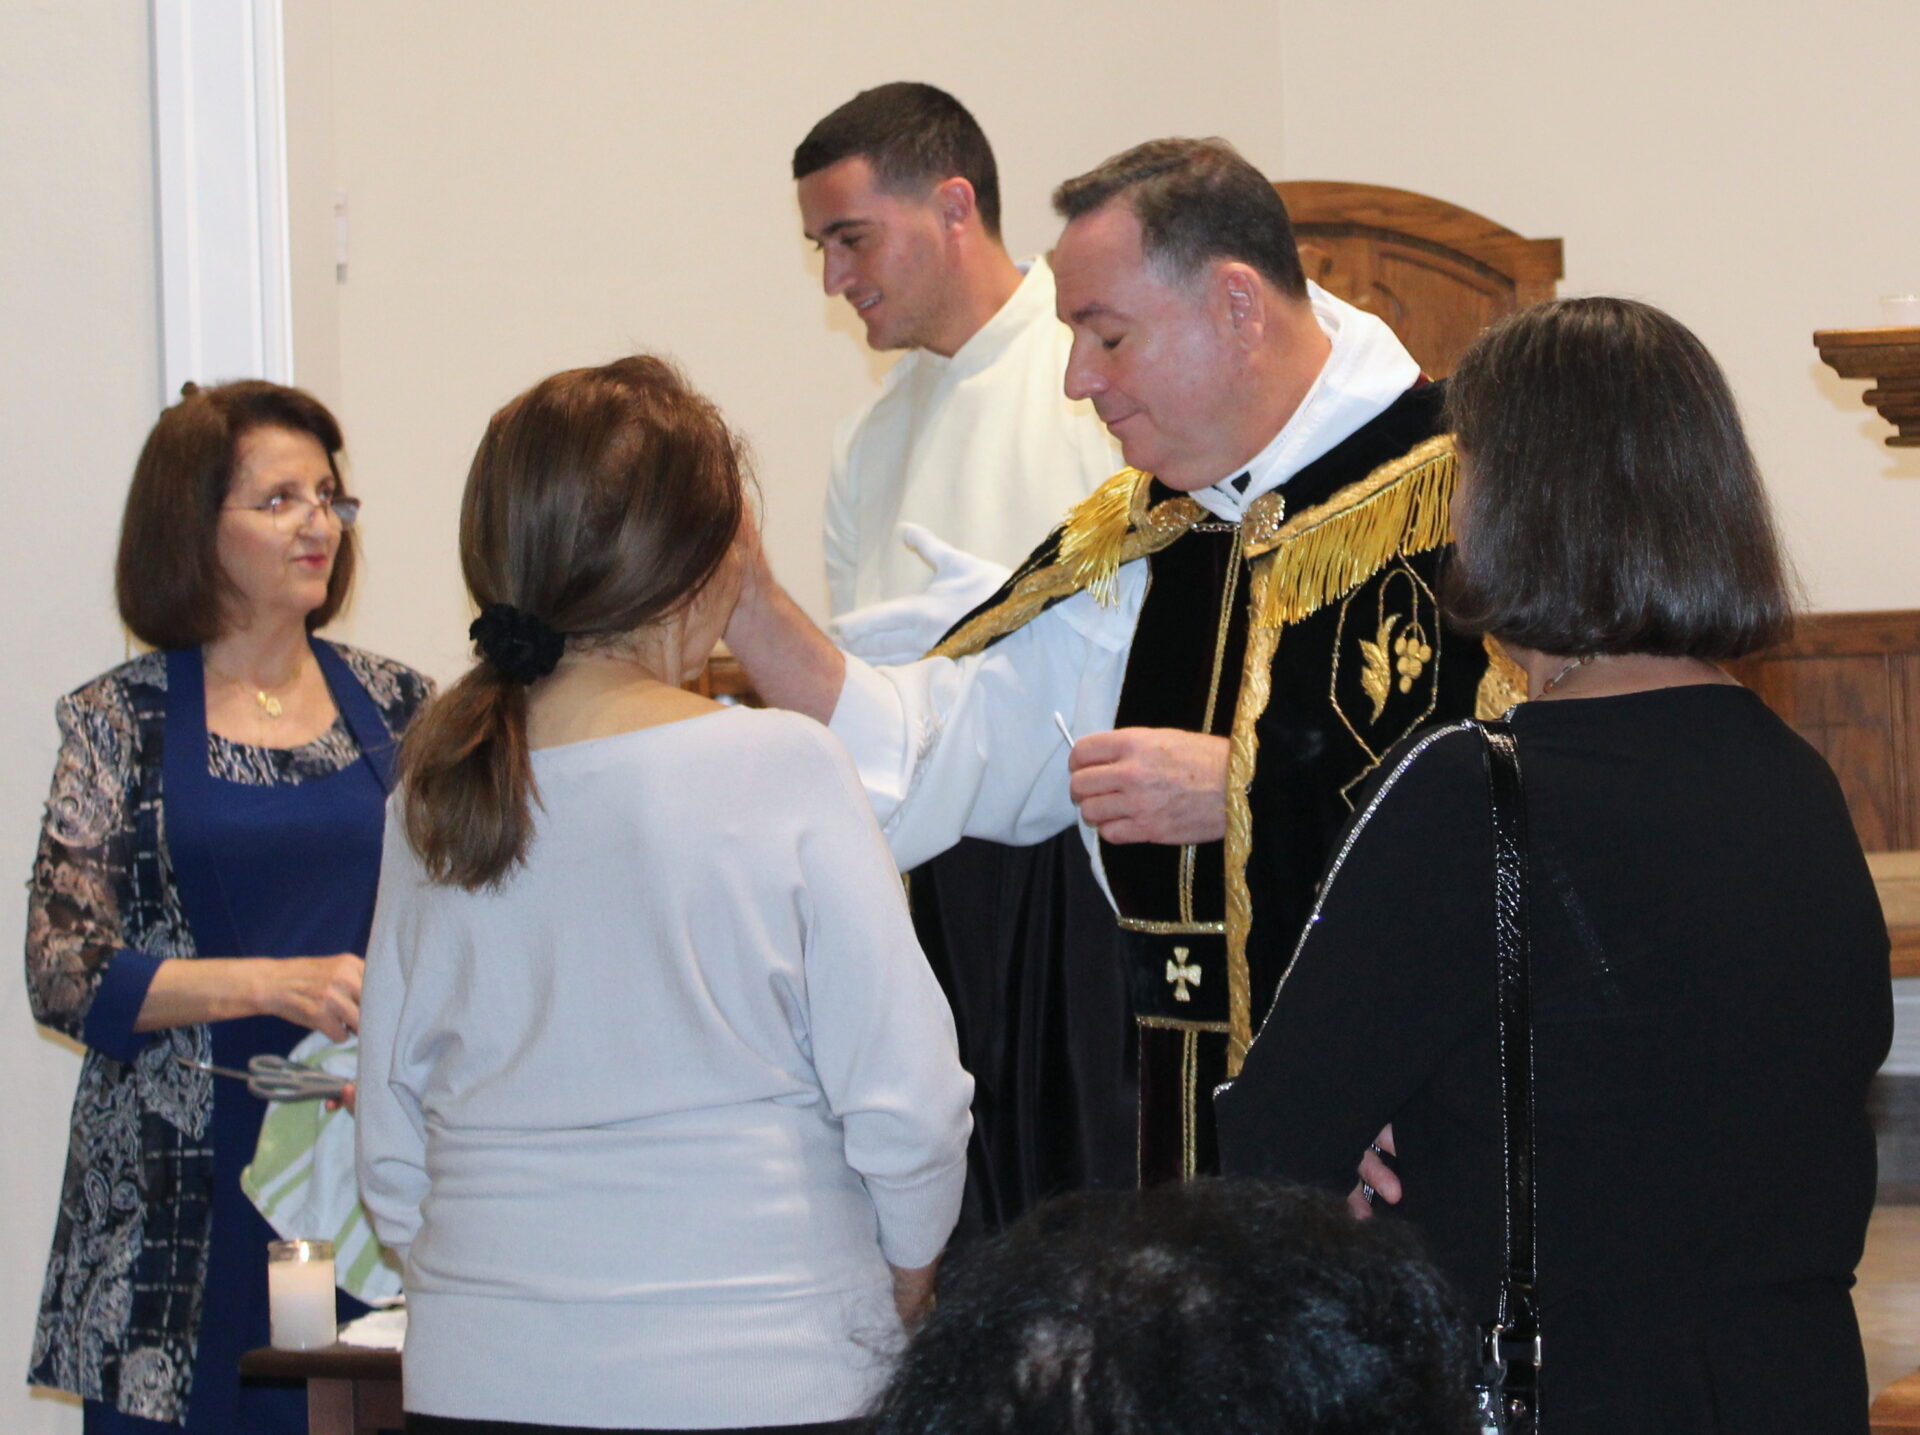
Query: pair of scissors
x=275, y=1078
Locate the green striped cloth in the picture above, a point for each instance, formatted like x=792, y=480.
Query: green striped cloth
x=302, y=1178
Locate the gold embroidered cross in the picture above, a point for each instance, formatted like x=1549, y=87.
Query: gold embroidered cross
x=1181, y=975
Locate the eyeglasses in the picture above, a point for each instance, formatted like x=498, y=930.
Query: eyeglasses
x=290, y=513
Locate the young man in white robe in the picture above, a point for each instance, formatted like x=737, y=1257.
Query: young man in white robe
x=971, y=439
x=974, y=453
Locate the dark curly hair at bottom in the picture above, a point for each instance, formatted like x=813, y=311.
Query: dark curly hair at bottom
x=1214, y=1308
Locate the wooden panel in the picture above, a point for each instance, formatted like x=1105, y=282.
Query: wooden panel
x=1850, y=684
x=1897, y=1411
x=1844, y=707
x=1903, y=675
x=1436, y=273
x=724, y=680
x=1896, y=875
x=1434, y=302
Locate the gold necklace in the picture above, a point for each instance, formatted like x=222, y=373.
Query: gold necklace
x=266, y=700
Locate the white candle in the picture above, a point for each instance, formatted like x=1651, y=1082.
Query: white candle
x=300, y=1294
x=1900, y=310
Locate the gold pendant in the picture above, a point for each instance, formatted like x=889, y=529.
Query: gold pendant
x=269, y=704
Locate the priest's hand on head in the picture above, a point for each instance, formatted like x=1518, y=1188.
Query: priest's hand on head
x=1152, y=784
x=789, y=661
x=756, y=576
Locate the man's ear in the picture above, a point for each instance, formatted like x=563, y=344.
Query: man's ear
x=1243, y=300
x=955, y=200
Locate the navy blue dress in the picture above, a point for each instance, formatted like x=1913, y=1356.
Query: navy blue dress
x=281, y=870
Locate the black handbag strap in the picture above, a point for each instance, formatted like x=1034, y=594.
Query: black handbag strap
x=1513, y=1340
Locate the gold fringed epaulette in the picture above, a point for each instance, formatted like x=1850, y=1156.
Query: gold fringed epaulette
x=1325, y=552
x=1104, y=532
x=1503, y=684
x=1094, y=536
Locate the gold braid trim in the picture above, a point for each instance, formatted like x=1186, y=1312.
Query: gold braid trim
x=1329, y=550
x=1243, y=751
x=1106, y=530
x=1300, y=566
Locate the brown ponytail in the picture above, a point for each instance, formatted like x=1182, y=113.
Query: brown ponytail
x=599, y=501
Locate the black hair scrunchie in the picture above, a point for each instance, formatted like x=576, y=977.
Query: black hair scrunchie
x=517, y=642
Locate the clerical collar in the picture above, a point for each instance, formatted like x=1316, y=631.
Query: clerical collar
x=1366, y=371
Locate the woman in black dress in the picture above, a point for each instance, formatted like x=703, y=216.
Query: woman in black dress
x=1710, y=983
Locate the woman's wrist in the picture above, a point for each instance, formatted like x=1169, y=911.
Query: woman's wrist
x=186, y=992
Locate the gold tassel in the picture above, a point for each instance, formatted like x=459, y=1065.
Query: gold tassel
x=1503, y=684
x=1091, y=541
x=1327, y=551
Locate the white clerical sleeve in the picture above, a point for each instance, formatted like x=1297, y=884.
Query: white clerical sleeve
x=969, y=748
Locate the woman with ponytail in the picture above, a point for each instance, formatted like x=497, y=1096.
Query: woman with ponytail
x=655, y=1084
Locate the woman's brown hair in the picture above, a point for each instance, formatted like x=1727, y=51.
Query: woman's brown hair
x=1611, y=503
x=599, y=502
x=167, y=577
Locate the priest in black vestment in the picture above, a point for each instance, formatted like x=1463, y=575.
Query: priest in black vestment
x=1232, y=631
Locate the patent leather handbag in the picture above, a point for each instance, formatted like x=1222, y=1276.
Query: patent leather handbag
x=1509, y=1387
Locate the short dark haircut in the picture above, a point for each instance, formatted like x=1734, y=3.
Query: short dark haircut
x=1196, y=200
x=1215, y=1308
x=1611, y=502
x=914, y=136
x=167, y=577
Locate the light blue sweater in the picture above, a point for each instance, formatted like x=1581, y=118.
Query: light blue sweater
x=643, y=1123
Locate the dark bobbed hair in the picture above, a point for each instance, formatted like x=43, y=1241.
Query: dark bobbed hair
x=1611, y=503
x=601, y=501
x=1197, y=200
x=1214, y=1308
x=167, y=579
x=914, y=136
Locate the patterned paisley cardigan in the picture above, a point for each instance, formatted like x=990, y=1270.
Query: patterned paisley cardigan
x=120, y=1311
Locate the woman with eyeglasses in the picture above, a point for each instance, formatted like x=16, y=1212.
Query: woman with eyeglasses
x=202, y=894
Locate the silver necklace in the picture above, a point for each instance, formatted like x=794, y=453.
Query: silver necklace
x=1553, y=682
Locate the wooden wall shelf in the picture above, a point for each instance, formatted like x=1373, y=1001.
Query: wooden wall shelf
x=1890, y=358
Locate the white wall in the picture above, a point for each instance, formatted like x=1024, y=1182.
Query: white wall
x=80, y=376
x=1738, y=165
x=535, y=187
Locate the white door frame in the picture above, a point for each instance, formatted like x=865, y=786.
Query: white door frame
x=220, y=171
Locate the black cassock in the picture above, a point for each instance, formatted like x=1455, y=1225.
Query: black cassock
x=1309, y=635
